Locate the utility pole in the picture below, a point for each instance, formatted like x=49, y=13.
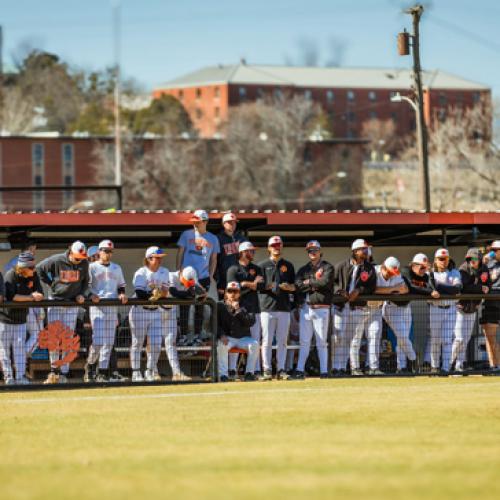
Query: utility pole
x=117, y=93
x=422, y=137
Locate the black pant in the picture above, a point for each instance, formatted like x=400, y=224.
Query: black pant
x=198, y=313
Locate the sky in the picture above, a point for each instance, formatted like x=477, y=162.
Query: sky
x=164, y=39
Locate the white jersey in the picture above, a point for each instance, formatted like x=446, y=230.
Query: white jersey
x=175, y=281
x=450, y=278
x=392, y=281
x=105, y=280
x=146, y=280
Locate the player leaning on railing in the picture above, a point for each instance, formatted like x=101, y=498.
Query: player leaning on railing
x=21, y=285
x=67, y=276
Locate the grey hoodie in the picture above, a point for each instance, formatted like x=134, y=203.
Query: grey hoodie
x=65, y=280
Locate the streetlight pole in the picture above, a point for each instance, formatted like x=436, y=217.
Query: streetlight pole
x=418, y=106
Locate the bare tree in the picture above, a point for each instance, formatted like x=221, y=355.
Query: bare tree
x=17, y=111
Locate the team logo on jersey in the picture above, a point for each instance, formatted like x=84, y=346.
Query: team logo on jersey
x=58, y=337
x=199, y=243
x=364, y=276
x=484, y=277
x=69, y=276
x=251, y=272
x=319, y=273
x=283, y=269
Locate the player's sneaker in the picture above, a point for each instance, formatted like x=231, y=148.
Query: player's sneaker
x=282, y=375
x=299, y=376
x=101, y=378
x=137, y=376
x=52, y=378
x=9, y=381
x=357, y=372
x=232, y=375
x=324, y=375
x=180, y=377
x=22, y=381
x=250, y=377
x=116, y=376
x=266, y=375
x=434, y=371
x=63, y=379
x=223, y=378
x=375, y=372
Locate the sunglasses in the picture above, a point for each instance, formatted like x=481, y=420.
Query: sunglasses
x=232, y=290
x=442, y=258
x=313, y=250
x=106, y=250
x=474, y=259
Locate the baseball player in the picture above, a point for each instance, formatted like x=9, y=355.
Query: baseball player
x=229, y=242
x=21, y=285
x=275, y=306
x=250, y=278
x=443, y=313
x=353, y=277
x=491, y=311
x=233, y=325
x=314, y=281
x=475, y=279
x=151, y=282
x=198, y=248
x=396, y=314
x=67, y=276
x=107, y=282
x=93, y=254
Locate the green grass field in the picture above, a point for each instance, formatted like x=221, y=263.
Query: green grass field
x=394, y=438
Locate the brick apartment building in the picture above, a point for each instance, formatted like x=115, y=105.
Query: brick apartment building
x=349, y=96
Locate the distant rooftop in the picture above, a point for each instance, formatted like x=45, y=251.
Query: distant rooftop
x=383, y=78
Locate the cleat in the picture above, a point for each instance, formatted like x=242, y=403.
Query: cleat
x=250, y=377
x=137, y=376
x=150, y=375
x=299, y=376
x=324, y=375
x=232, y=375
x=223, y=378
x=357, y=373
x=117, y=377
x=9, y=381
x=52, y=378
x=282, y=375
x=267, y=375
x=375, y=372
x=63, y=379
x=181, y=377
x=435, y=371
x=23, y=381
x=101, y=378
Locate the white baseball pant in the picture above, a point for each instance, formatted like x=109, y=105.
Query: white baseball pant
x=104, y=321
x=169, y=325
x=145, y=323
x=314, y=320
x=67, y=316
x=442, y=325
x=255, y=332
x=34, y=325
x=399, y=320
x=463, y=332
x=340, y=352
x=12, y=336
x=249, y=344
x=359, y=319
x=275, y=323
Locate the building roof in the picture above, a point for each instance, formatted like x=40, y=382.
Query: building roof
x=296, y=76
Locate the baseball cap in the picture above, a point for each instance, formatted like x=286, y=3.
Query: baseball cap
x=188, y=277
x=275, y=240
x=154, y=252
x=199, y=216
x=245, y=245
x=473, y=253
x=441, y=252
x=26, y=259
x=233, y=285
x=91, y=251
x=420, y=258
x=229, y=217
x=106, y=244
x=79, y=250
x=495, y=245
x=392, y=264
x=359, y=243
x=313, y=244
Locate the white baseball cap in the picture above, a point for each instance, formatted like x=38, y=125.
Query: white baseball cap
x=245, y=245
x=199, y=216
x=78, y=249
x=154, y=252
x=359, y=243
x=106, y=244
x=189, y=274
x=392, y=264
x=91, y=251
x=275, y=240
x=313, y=244
x=233, y=285
x=441, y=252
x=420, y=258
x=229, y=217
x=495, y=245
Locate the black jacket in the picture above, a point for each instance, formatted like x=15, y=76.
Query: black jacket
x=276, y=299
x=228, y=256
x=320, y=283
x=17, y=285
x=249, y=298
x=472, y=282
x=233, y=323
x=365, y=280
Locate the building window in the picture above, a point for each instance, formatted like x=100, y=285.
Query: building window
x=37, y=173
x=278, y=94
x=68, y=173
x=242, y=91
x=476, y=97
x=181, y=95
x=372, y=96
x=260, y=93
x=216, y=92
x=199, y=113
x=442, y=99
x=393, y=93
x=308, y=94
x=442, y=115
x=351, y=116
x=198, y=93
x=351, y=96
x=330, y=96
x=394, y=117
x=373, y=115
